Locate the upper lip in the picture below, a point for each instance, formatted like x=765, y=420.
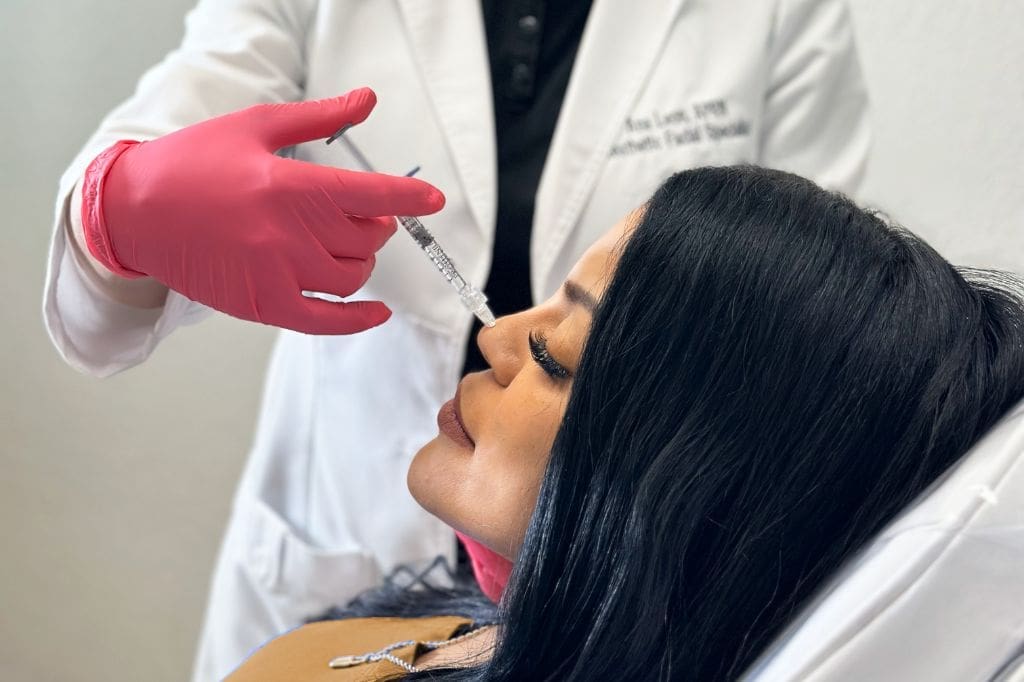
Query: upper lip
x=458, y=412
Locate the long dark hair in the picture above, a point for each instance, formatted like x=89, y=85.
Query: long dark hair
x=771, y=376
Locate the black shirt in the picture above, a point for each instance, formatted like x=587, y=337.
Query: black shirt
x=531, y=45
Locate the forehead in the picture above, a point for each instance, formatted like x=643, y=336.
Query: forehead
x=594, y=269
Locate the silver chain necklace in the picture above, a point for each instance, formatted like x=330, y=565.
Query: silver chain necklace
x=386, y=655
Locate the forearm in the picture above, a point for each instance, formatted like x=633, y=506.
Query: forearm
x=144, y=292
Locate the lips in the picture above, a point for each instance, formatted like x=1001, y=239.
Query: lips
x=449, y=421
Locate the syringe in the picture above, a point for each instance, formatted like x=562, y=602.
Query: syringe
x=472, y=298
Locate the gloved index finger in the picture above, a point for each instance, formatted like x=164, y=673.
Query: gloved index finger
x=371, y=194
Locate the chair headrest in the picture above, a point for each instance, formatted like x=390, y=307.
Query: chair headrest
x=938, y=595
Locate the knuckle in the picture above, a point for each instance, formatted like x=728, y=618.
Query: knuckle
x=266, y=254
x=254, y=185
x=348, y=288
x=361, y=247
x=383, y=229
x=259, y=114
x=367, y=269
x=258, y=242
x=355, y=274
x=268, y=176
x=266, y=111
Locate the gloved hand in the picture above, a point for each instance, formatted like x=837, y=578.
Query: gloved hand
x=211, y=212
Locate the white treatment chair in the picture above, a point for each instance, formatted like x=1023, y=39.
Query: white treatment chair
x=938, y=596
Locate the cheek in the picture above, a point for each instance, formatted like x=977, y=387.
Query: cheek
x=507, y=468
x=522, y=430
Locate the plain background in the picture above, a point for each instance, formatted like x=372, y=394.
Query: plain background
x=113, y=493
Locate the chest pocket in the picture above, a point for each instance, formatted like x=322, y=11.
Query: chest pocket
x=299, y=578
x=330, y=513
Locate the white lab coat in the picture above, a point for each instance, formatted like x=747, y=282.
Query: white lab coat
x=322, y=509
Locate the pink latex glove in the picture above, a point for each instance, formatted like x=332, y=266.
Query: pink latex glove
x=211, y=212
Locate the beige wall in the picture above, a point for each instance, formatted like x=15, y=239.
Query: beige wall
x=114, y=493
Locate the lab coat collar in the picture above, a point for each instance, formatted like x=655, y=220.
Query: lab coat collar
x=451, y=48
x=619, y=47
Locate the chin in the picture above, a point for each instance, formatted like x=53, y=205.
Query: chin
x=430, y=479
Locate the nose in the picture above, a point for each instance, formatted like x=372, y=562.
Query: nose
x=503, y=347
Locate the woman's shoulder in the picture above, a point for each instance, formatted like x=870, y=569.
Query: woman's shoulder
x=306, y=653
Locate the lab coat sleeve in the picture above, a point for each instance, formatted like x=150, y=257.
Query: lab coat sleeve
x=816, y=108
x=235, y=53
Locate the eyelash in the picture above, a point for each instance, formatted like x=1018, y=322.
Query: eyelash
x=539, y=351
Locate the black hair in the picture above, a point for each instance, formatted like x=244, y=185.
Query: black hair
x=771, y=376
x=436, y=590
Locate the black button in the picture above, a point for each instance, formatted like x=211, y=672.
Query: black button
x=528, y=24
x=522, y=77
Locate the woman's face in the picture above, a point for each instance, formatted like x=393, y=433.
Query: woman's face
x=481, y=475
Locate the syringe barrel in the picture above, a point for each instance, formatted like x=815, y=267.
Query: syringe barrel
x=445, y=265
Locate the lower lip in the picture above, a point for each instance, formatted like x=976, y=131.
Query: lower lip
x=449, y=424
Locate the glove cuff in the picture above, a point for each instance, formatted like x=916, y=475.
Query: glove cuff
x=97, y=237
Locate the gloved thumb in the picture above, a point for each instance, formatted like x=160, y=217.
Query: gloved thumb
x=284, y=124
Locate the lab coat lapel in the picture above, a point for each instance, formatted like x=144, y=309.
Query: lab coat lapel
x=451, y=48
x=619, y=47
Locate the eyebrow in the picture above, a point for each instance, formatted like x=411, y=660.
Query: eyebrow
x=577, y=294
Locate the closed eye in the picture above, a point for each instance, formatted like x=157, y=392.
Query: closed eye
x=539, y=351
